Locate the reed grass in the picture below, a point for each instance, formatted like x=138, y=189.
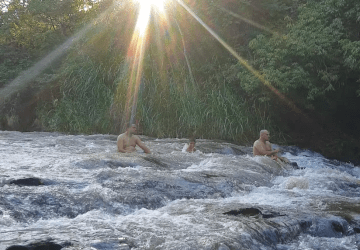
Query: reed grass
x=94, y=102
x=213, y=112
x=86, y=100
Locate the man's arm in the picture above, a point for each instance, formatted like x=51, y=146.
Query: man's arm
x=274, y=152
x=142, y=146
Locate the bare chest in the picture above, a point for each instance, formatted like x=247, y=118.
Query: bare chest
x=260, y=146
x=129, y=142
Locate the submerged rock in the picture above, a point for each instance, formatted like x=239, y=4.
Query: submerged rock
x=42, y=245
x=249, y=212
x=27, y=182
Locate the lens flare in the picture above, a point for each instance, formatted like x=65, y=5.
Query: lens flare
x=143, y=18
x=242, y=61
x=156, y=3
x=136, y=51
x=146, y=6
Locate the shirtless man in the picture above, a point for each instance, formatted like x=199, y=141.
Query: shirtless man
x=191, y=148
x=262, y=146
x=127, y=141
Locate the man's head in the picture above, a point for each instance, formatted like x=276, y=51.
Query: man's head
x=131, y=129
x=264, y=135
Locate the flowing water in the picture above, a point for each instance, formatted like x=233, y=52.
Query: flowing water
x=220, y=197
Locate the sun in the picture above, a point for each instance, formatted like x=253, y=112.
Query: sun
x=145, y=7
x=158, y=4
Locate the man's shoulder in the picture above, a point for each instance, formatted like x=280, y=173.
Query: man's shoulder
x=121, y=136
x=137, y=138
x=256, y=142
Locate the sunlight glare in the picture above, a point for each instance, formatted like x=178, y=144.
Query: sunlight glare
x=143, y=19
x=159, y=4
x=136, y=51
x=145, y=12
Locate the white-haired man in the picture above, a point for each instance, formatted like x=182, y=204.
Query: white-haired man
x=262, y=146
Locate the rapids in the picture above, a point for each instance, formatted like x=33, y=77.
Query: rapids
x=218, y=198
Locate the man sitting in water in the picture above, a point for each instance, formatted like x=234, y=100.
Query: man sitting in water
x=127, y=141
x=262, y=146
x=191, y=147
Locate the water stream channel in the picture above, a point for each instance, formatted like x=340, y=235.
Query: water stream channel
x=76, y=192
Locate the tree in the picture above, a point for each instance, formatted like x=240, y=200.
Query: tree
x=317, y=55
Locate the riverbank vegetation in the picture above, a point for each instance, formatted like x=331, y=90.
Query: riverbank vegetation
x=295, y=70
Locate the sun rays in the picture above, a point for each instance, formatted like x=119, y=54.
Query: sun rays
x=145, y=8
x=137, y=48
x=242, y=61
x=167, y=33
x=136, y=51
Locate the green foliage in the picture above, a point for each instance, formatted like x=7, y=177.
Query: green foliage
x=38, y=25
x=30, y=29
x=12, y=62
x=88, y=77
x=86, y=101
x=315, y=56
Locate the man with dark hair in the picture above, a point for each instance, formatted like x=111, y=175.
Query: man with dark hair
x=191, y=147
x=127, y=141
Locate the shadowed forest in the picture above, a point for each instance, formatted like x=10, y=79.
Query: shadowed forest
x=290, y=66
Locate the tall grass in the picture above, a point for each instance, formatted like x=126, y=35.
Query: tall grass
x=94, y=99
x=84, y=107
x=94, y=102
x=88, y=79
x=212, y=111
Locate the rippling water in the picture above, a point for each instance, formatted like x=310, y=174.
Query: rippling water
x=219, y=197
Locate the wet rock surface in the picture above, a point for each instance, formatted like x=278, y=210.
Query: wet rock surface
x=42, y=245
x=27, y=182
x=253, y=212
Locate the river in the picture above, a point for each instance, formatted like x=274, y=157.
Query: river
x=218, y=198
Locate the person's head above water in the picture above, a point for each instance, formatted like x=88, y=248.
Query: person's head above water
x=264, y=135
x=131, y=129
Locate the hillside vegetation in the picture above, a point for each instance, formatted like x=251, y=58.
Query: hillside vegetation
x=295, y=71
